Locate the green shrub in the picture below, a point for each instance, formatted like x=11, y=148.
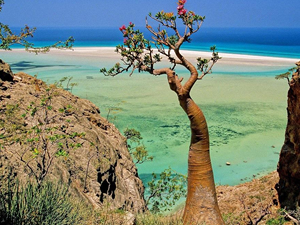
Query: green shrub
x=165, y=190
x=36, y=205
x=276, y=221
x=232, y=219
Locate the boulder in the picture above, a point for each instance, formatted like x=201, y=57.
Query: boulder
x=100, y=170
x=5, y=71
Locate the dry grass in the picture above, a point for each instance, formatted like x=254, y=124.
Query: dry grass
x=151, y=219
x=240, y=205
x=254, y=202
x=119, y=217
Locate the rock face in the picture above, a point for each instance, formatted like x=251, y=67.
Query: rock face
x=289, y=162
x=256, y=200
x=100, y=169
x=5, y=72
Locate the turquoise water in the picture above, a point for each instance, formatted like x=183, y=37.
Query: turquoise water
x=244, y=105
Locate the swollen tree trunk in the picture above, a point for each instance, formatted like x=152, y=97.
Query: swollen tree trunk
x=201, y=203
x=289, y=161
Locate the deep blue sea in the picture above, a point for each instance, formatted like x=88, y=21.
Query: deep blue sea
x=278, y=42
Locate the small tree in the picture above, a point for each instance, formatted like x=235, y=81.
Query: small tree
x=166, y=190
x=137, y=149
x=138, y=54
x=9, y=38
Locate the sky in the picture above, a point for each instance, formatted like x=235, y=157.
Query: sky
x=114, y=13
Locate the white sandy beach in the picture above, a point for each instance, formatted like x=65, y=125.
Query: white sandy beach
x=109, y=52
x=244, y=105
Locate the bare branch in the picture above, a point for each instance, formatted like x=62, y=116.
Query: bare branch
x=207, y=71
x=159, y=36
x=203, y=64
x=291, y=218
x=192, y=31
x=166, y=24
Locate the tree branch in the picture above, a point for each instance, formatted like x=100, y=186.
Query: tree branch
x=291, y=218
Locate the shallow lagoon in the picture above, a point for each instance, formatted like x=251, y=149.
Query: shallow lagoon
x=245, y=108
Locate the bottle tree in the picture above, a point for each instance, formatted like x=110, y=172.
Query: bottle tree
x=138, y=53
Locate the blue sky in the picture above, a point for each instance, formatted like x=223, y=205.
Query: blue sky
x=113, y=13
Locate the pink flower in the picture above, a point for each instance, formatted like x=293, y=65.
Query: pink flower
x=122, y=28
x=180, y=7
x=130, y=23
x=182, y=12
x=125, y=40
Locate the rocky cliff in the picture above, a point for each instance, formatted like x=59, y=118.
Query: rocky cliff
x=289, y=163
x=79, y=147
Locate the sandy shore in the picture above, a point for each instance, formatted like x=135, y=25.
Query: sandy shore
x=109, y=53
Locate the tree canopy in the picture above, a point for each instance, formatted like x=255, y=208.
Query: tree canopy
x=138, y=53
x=9, y=38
